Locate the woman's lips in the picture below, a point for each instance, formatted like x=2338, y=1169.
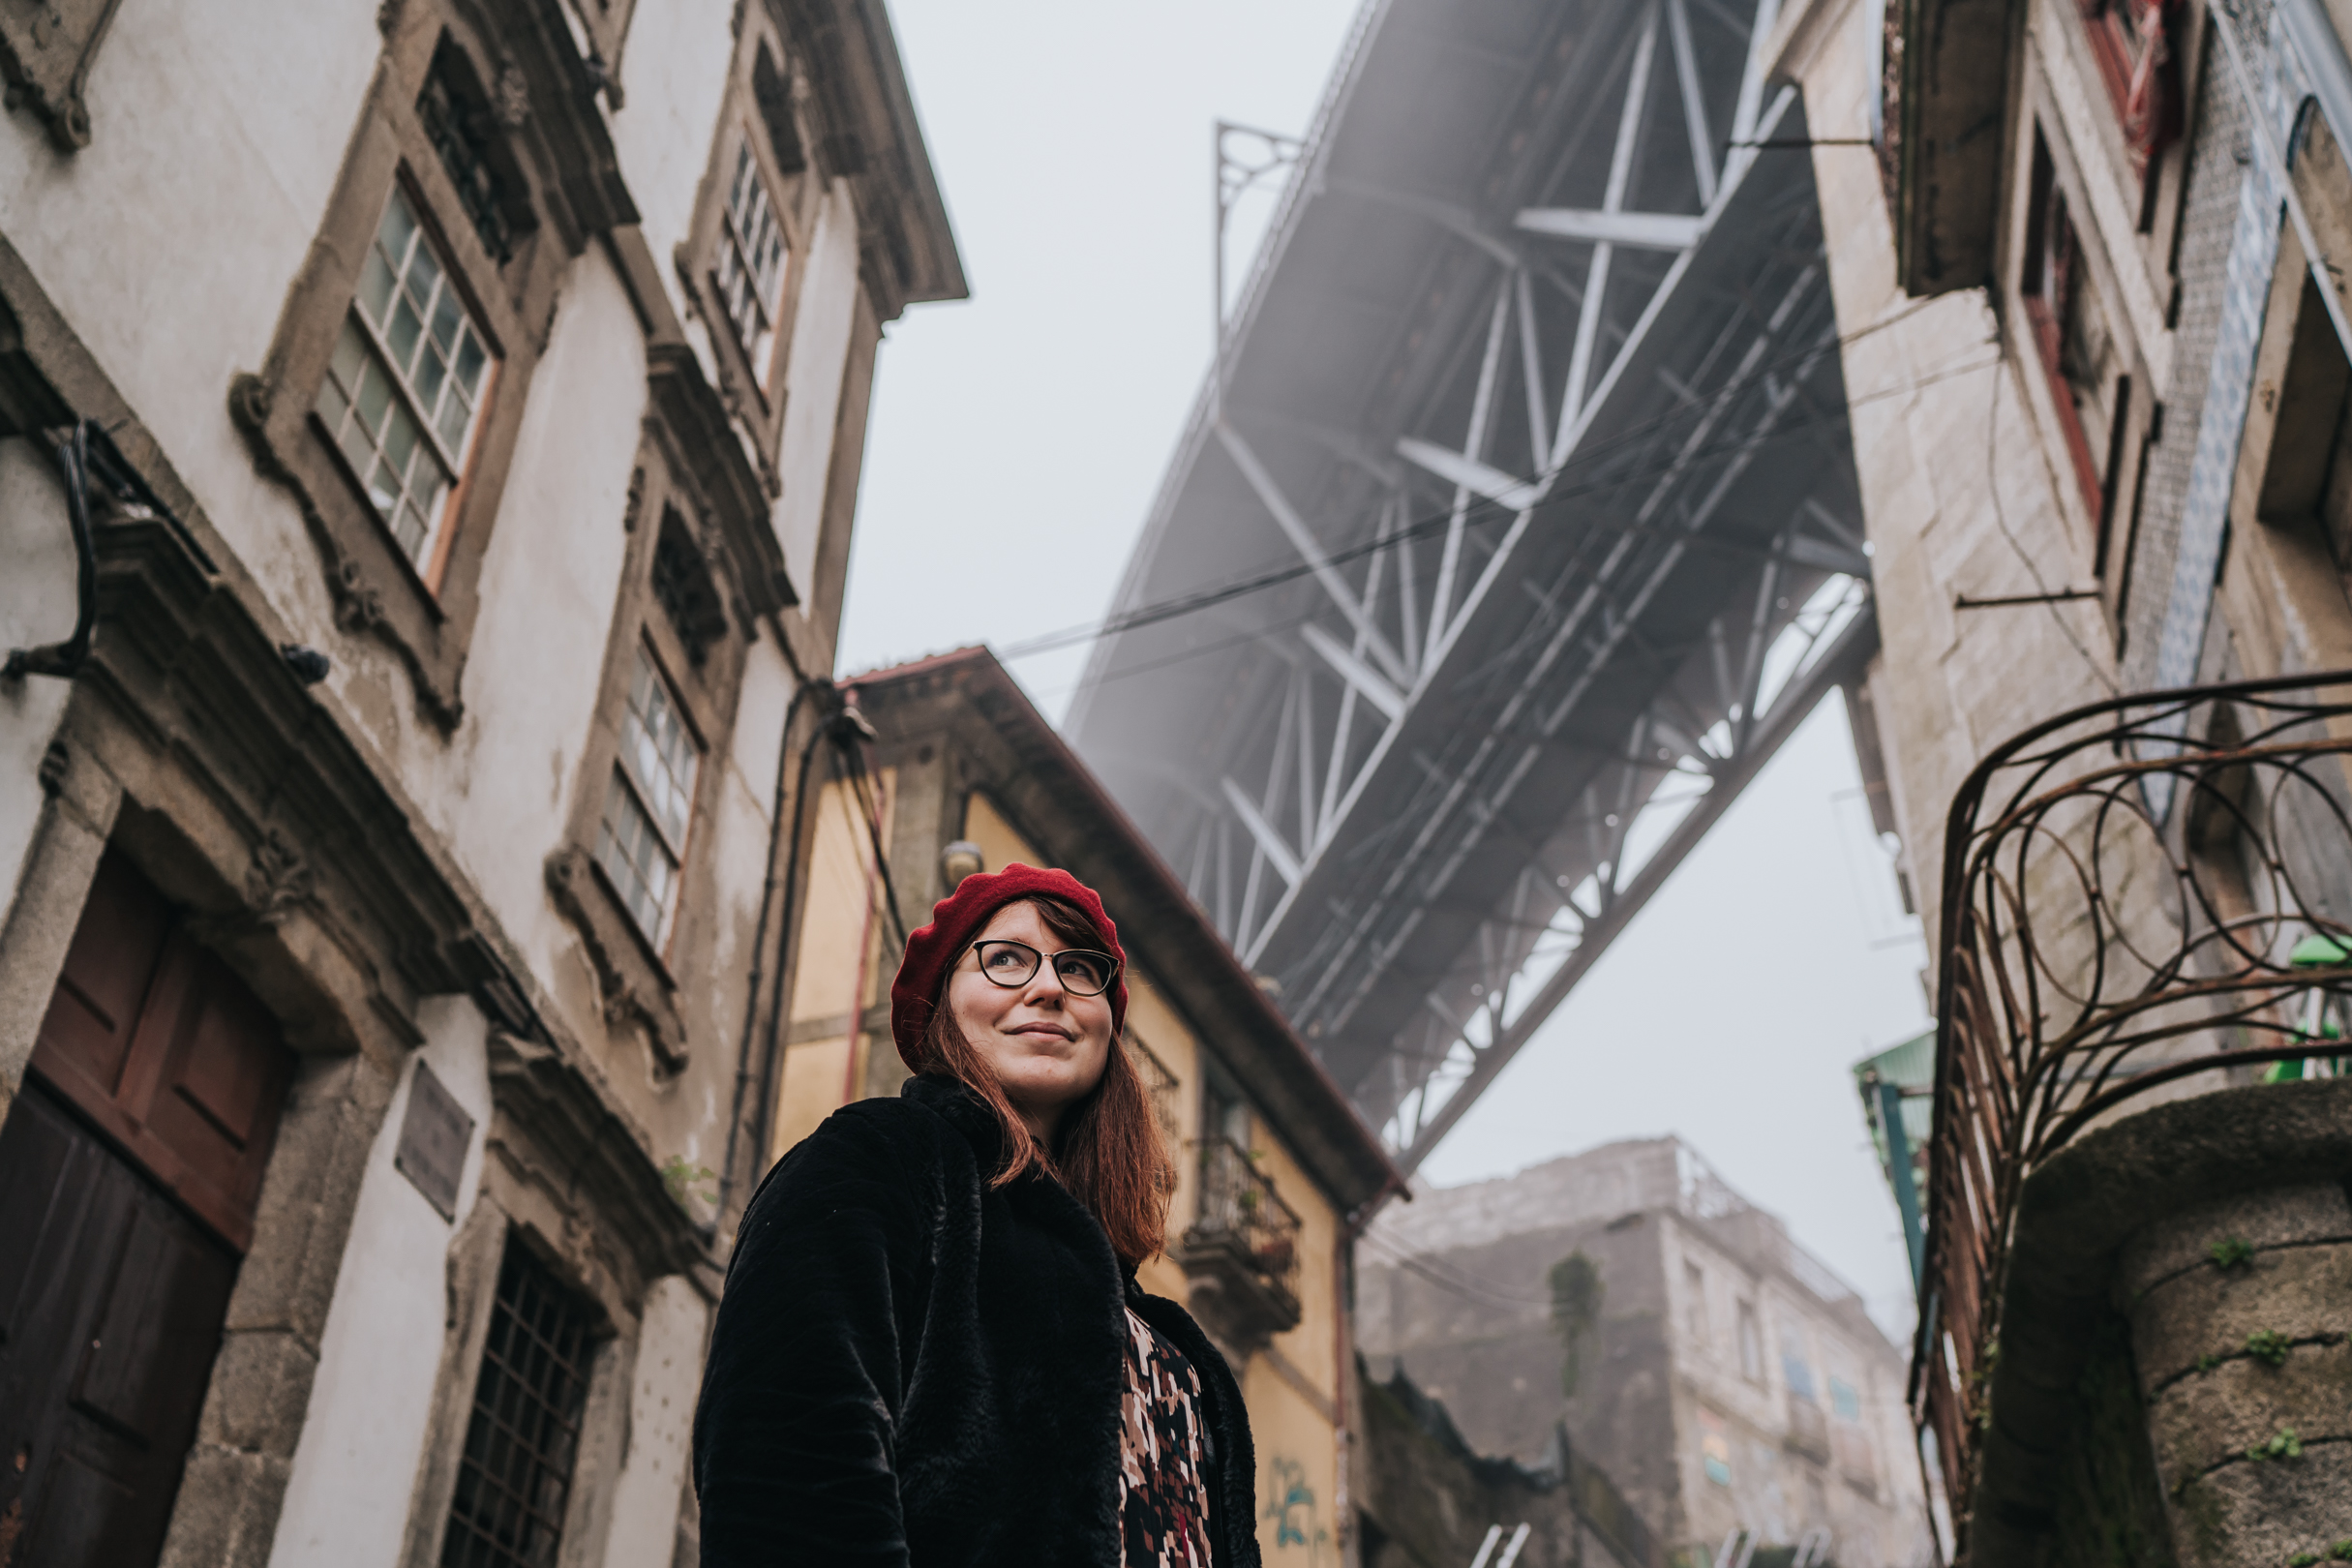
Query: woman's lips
x=1041, y=1029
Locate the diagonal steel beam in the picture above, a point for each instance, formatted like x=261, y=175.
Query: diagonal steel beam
x=1838, y=664
x=1270, y=495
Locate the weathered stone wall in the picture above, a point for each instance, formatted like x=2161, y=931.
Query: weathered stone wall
x=2240, y=1316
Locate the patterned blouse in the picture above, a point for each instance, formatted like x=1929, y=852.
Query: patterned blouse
x=1163, y=1488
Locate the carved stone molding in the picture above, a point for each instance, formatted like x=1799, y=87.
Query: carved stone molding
x=694, y=424
x=279, y=880
x=638, y=992
x=357, y=592
x=47, y=49
x=556, y=1127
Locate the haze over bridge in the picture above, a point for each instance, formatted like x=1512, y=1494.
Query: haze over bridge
x=1514, y=531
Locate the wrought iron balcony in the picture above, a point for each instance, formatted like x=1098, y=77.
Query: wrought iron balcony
x=2135, y=897
x=1242, y=1251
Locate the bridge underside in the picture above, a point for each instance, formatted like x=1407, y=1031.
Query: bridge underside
x=1516, y=529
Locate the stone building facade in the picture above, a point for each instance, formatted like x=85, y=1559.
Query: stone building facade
x=429, y=440
x=1727, y=1380
x=945, y=770
x=2089, y=261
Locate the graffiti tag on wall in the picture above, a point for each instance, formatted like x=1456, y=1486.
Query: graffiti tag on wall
x=1290, y=1505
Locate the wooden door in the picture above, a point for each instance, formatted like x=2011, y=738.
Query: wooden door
x=129, y=1166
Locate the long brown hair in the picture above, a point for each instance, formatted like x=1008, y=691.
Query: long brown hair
x=1110, y=1155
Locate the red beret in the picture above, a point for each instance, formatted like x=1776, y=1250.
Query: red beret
x=961, y=915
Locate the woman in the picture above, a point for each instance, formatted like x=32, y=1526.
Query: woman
x=932, y=1351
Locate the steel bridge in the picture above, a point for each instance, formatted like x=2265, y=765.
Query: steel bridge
x=1514, y=529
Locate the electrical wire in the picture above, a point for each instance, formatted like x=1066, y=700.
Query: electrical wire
x=1481, y=511
x=2001, y=518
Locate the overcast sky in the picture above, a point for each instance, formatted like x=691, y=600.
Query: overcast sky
x=1015, y=444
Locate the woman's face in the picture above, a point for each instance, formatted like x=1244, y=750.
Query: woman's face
x=1047, y=1045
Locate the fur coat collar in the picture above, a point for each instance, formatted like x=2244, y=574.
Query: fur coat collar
x=910, y=1368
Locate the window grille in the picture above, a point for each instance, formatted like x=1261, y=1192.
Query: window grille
x=1793, y=1365
x=751, y=261
x=1160, y=1087
x=453, y=124
x=1694, y=1282
x=515, y=1475
x=682, y=587
x=643, y=840
x=403, y=391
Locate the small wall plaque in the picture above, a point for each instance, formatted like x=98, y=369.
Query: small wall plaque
x=433, y=1140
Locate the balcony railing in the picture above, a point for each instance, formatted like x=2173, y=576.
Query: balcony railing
x=1242, y=1251
x=2134, y=895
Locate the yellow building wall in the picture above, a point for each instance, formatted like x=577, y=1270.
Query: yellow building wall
x=1298, y=1471
x=1291, y=1387
x=1313, y=1347
x=831, y=988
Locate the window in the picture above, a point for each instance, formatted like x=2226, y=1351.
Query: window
x=686, y=590
x=1751, y=1343
x=752, y=262
x=515, y=1476
x=2131, y=44
x=649, y=802
x=1792, y=1363
x=1694, y=1282
x=2078, y=348
x=1849, y=1439
x=1714, y=1448
x=405, y=383
x=390, y=401
x=454, y=121
x=1160, y=1086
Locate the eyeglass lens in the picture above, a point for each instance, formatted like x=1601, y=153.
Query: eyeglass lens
x=1015, y=963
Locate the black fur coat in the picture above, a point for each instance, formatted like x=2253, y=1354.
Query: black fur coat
x=913, y=1370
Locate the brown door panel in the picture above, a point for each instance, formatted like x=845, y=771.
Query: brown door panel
x=85, y=1039
x=187, y=1075
x=108, y=1349
x=214, y=1076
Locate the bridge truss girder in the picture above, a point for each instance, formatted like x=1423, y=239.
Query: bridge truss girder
x=1567, y=571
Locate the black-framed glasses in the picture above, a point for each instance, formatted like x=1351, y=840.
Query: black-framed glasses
x=1013, y=964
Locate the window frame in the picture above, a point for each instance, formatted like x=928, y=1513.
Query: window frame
x=625, y=778
x=560, y=178
x=736, y=249
x=765, y=117
x=639, y=972
x=584, y=1330
x=430, y=560
x=2143, y=81
x=2048, y=288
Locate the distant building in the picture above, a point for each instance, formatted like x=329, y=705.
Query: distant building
x=1730, y=1384
x=962, y=774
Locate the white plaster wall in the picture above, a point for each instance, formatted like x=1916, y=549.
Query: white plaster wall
x=812, y=380
x=674, y=78
x=169, y=240
x=347, y=1502
x=759, y=720
x=502, y=790
x=643, y=1531
x=36, y=605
